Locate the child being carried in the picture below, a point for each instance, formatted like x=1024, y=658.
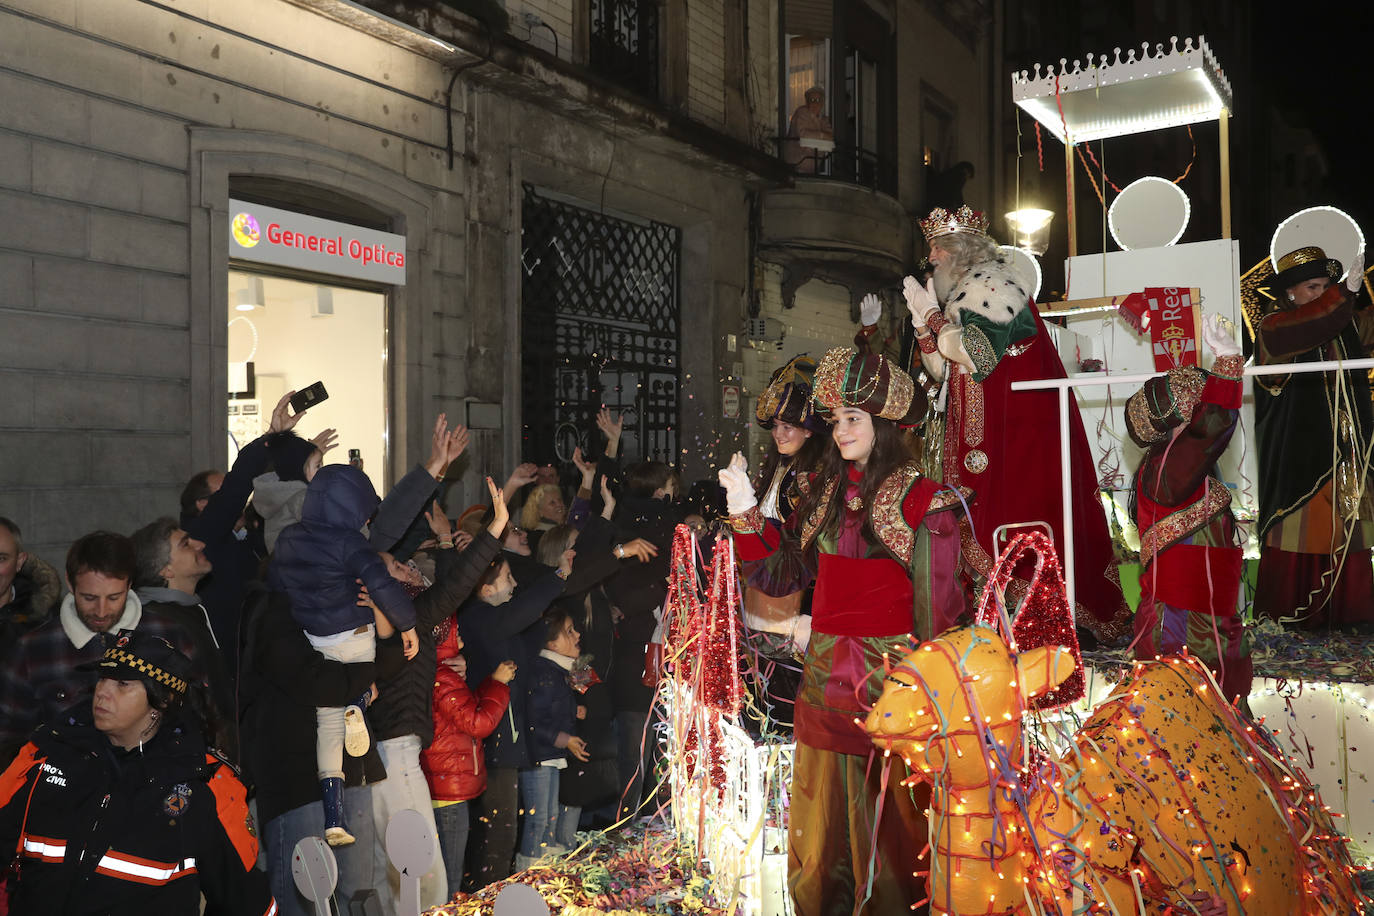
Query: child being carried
x=318, y=563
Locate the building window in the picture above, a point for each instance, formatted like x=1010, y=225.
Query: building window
x=809, y=134
x=862, y=90
x=599, y=326
x=839, y=93
x=623, y=45
x=286, y=334
x=944, y=174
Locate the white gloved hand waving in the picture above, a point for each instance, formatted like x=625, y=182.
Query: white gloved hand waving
x=1356, y=275
x=1216, y=331
x=870, y=310
x=920, y=300
x=739, y=492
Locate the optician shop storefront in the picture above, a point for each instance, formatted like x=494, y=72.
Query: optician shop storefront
x=308, y=302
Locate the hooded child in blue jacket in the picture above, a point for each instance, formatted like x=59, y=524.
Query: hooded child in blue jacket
x=317, y=563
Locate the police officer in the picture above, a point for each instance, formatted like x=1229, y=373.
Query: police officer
x=122, y=809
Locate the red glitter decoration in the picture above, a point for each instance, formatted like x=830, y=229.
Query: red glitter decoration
x=701, y=648
x=1044, y=618
x=682, y=606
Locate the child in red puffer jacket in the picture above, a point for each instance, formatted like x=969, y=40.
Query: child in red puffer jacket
x=453, y=763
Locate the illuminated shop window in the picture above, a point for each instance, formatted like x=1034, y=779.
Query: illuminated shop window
x=287, y=334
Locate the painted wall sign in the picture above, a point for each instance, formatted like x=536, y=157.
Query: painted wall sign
x=268, y=235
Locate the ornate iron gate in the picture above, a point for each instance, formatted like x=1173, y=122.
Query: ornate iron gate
x=599, y=326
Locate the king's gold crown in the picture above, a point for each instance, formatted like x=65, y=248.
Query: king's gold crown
x=965, y=219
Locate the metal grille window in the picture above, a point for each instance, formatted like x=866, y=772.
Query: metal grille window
x=624, y=43
x=599, y=326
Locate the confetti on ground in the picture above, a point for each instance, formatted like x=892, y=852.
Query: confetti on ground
x=634, y=871
x=1294, y=655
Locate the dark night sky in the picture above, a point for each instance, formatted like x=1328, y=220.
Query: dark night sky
x=1312, y=61
x=1315, y=60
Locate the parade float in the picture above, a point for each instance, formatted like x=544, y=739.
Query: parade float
x=1064, y=783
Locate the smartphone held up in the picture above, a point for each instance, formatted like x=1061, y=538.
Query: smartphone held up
x=308, y=397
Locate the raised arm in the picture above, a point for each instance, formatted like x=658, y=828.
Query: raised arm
x=611, y=426
x=581, y=507
x=1208, y=430
x=414, y=491
x=522, y=476
x=225, y=506
x=1286, y=333
x=773, y=556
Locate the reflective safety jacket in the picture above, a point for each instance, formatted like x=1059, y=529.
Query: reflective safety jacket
x=98, y=829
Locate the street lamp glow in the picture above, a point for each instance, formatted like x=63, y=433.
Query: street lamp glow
x=1030, y=228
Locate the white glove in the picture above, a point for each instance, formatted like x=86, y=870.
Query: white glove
x=801, y=633
x=1356, y=275
x=920, y=300
x=870, y=310
x=1216, y=331
x=739, y=492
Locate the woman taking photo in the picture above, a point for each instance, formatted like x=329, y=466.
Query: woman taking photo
x=123, y=810
x=881, y=543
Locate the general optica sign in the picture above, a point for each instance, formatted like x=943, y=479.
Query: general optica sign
x=267, y=235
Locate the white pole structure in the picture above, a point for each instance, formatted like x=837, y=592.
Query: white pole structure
x=1063, y=385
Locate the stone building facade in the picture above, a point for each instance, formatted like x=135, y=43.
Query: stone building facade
x=128, y=127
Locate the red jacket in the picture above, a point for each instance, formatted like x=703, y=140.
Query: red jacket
x=453, y=763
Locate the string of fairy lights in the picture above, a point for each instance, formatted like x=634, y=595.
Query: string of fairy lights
x=1033, y=809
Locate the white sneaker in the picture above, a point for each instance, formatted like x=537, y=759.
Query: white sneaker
x=356, y=738
x=337, y=836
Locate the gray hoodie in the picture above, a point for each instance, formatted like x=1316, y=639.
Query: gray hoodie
x=279, y=503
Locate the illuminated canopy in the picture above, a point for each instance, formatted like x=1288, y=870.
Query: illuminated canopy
x=1169, y=88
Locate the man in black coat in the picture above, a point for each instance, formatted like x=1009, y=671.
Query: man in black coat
x=284, y=680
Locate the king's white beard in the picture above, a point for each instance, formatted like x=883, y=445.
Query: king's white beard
x=946, y=275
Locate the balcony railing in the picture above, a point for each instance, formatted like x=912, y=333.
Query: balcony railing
x=811, y=158
x=624, y=43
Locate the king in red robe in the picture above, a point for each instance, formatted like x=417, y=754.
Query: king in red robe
x=979, y=331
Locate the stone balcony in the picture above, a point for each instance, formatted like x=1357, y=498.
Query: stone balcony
x=826, y=229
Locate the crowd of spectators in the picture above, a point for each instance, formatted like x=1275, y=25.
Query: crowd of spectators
x=503, y=693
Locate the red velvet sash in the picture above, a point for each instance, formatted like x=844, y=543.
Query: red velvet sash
x=861, y=597
x=1179, y=577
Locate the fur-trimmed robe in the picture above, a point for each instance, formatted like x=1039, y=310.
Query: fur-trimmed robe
x=1005, y=444
x=988, y=312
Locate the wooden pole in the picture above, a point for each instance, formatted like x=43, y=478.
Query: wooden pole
x=1068, y=190
x=1224, y=121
